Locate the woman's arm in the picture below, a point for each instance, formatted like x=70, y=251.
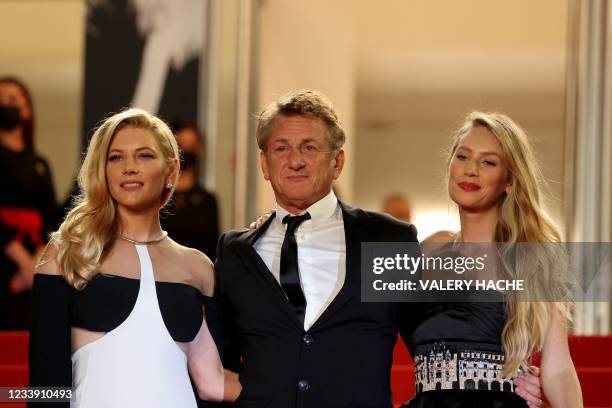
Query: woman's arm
x=212, y=382
x=50, y=363
x=559, y=378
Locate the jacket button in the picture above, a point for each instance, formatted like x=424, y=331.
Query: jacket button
x=303, y=385
x=308, y=339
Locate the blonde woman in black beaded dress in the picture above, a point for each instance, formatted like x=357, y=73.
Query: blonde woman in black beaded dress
x=495, y=181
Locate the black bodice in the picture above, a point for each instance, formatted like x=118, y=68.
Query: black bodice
x=108, y=300
x=462, y=325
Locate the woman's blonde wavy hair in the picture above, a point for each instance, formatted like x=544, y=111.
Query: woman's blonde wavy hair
x=522, y=219
x=91, y=225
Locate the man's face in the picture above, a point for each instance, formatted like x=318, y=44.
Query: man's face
x=299, y=161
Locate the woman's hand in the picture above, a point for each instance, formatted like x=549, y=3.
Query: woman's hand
x=232, y=386
x=26, y=264
x=528, y=387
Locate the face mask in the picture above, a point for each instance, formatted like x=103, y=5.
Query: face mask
x=189, y=160
x=9, y=117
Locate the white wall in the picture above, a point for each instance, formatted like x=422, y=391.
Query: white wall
x=308, y=45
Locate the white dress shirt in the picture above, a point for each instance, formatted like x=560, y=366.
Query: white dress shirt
x=321, y=253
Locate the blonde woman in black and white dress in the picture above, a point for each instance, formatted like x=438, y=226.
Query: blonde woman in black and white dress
x=119, y=308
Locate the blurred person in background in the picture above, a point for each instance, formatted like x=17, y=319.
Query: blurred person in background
x=193, y=217
x=27, y=203
x=397, y=206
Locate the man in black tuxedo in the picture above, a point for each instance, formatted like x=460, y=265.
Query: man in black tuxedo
x=289, y=292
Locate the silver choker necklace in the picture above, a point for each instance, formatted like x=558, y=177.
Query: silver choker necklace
x=151, y=242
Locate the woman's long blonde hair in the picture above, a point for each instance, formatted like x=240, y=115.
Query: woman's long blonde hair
x=522, y=219
x=91, y=225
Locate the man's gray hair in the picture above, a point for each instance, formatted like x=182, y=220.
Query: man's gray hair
x=303, y=102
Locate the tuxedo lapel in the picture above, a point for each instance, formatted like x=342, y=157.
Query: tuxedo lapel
x=354, y=235
x=257, y=267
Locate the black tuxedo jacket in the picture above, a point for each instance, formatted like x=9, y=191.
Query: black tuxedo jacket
x=343, y=360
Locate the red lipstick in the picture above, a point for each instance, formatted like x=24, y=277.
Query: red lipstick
x=469, y=186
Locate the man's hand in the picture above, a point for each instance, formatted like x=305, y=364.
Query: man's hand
x=528, y=387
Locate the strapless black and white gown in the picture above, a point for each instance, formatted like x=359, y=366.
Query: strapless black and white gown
x=137, y=363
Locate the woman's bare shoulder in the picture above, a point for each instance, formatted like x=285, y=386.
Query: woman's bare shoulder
x=200, y=265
